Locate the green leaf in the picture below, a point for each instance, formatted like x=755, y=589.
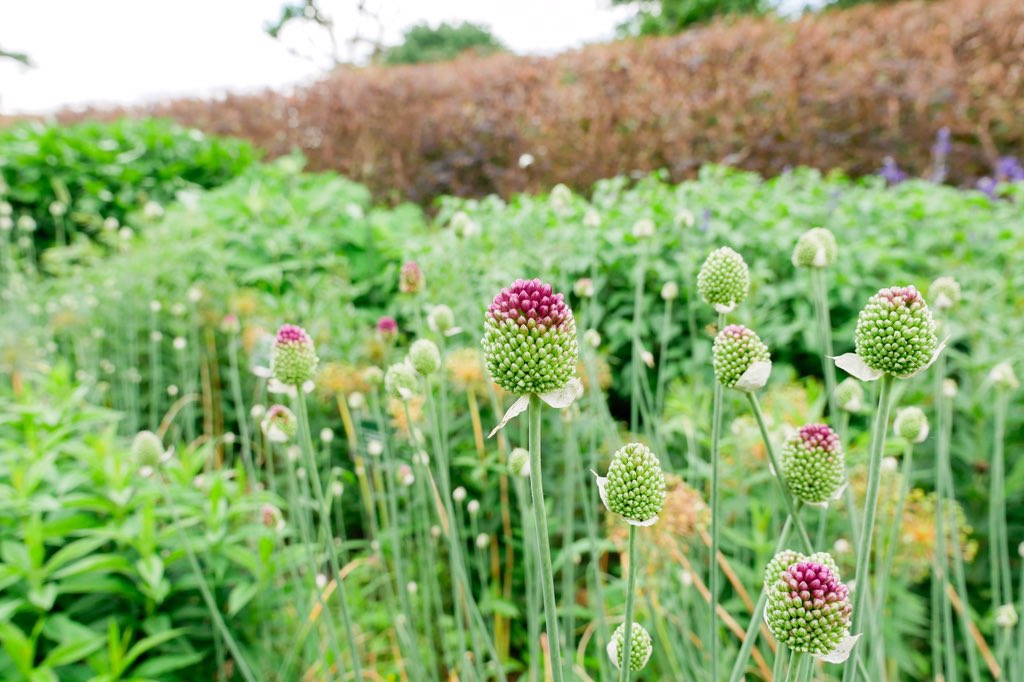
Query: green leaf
x=241, y=594
x=73, y=651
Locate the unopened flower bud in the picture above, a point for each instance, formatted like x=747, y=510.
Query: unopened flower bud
x=808, y=608
x=724, y=279
x=850, y=395
x=635, y=485
x=519, y=462
x=441, y=319
x=410, y=279
x=424, y=357
x=293, y=358
x=737, y=355
x=640, y=647
x=911, y=424
x=816, y=248
x=813, y=464
x=896, y=333
x=944, y=293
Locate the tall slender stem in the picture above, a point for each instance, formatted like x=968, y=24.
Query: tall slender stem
x=862, y=570
x=543, y=546
x=713, y=570
x=627, y=632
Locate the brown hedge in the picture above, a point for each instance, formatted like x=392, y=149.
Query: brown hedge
x=834, y=90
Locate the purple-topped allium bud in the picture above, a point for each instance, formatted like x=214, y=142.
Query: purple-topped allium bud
x=813, y=464
x=279, y=424
x=724, y=279
x=410, y=280
x=530, y=339
x=293, y=358
x=896, y=333
x=387, y=329
x=809, y=609
x=740, y=358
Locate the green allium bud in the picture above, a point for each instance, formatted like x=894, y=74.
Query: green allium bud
x=147, y=448
x=850, y=395
x=519, y=462
x=816, y=248
x=736, y=351
x=911, y=424
x=640, y=647
x=279, y=424
x=530, y=339
x=896, y=333
x=808, y=608
x=635, y=485
x=293, y=358
x=400, y=381
x=724, y=280
x=424, y=357
x=1003, y=377
x=441, y=319
x=1006, y=616
x=373, y=375
x=944, y=293
x=813, y=464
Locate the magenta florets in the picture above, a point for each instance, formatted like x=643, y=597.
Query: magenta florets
x=530, y=299
x=387, y=328
x=814, y=584
x=808, y=608
x=410, y=280
x=819, y=436
x=289, y=333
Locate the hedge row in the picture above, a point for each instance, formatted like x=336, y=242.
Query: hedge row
x=839, y=89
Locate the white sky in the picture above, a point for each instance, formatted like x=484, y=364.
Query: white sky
x=128, y=51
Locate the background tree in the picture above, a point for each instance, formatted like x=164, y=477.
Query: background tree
x=423, y=43
x=665, y=17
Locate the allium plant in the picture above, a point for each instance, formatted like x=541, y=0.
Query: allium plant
x=410, y=279
x=640, y=650
x=635, y=490
x=815, y=248
x=813, y=464
x=293, y=358
x=724, y=280
x=531, y=351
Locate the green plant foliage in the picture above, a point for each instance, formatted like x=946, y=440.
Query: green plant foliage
x=666, y=17
x=77, y=180
x=424, y=43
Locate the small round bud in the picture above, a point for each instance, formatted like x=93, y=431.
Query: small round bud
x=387, y=329
x=736, y=350
x=1006, y=616
x=1003, y=377
x=591, y=218
x=326, y=435
x=911, y=424
x=424, y=357
x=643, y=228
x=179, y=343
x=271, y=517
x=850, y=395
x=530, y=339
x=950, y=388
x=816, y=248
x=560, y=198
x=592, y=338
x=669, y=291
x=895, y=332
x=473, y=507
x=400, y=381
x=463, y=225
x=337, y=489
x=723, y=280
x=293, y=358
x=410, y=280
x=147, y=448
x=519, y=462
x=441, y=319
x=640, y=647
x=584, y=287
x=411, y=587
x=279, y=424
x=373, y=375
x=842, y=546
x=813, y=464
x=808, y=608
x=944, y=293
x=635, y=485
x=483, y=540
x=889, y=465
x=374, y=447
x=459, y=494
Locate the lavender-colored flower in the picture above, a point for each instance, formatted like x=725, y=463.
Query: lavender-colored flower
x=813, y=464
x=940, y=153
x=293, y=358
x=809, y=609
x=987, y=186
x=1009, y=169
x=892, y=172
x=410, y=280
x=530, y=339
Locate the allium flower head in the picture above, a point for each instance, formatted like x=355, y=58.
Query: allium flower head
x=1006, y=616
x=911, y=424
x=669, y=291
x=815, y=248
x=583, y=287
x=809, y=610
x=944, y=293
x=410, y=279
x=895, y=335
x=740, y=358
x=850, y=395
x=400, y=380
x=279, y=424
x=424, y=357
x=147, y=448
x=635, y=485
x=293, y=358
x=530, y=339
x=441, y=319
x=640, y=647
x=519, y=462
x=1003, y=377
x=387, y=329
x=723, y=280
x=813, y=464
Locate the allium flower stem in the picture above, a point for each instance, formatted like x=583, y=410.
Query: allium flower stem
x=795, y=664
x=636, y=363
x=862, y=570
x=757, y=616
x=543, y=545
x=663, y=341
x=532, y=593
x=713, y=569
x=240, y=414
x=569, y=484
x=627, y=635
x=313, y=470
x=885, y=569
x=1002, y=585
x=787, y=497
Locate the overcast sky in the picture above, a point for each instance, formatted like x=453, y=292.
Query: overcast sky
x=127, y=51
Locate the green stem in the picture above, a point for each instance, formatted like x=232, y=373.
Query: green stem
x=894, y=529
x=543, y=545
x=795, y=663
x=862, y=571
x=636, y=360
x=713, y=569
x=627, y=632
x=791, y=506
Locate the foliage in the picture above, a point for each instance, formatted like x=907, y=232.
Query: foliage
x=666, y=17
x=96, y=585
x=82, y=179
x=424, y=43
